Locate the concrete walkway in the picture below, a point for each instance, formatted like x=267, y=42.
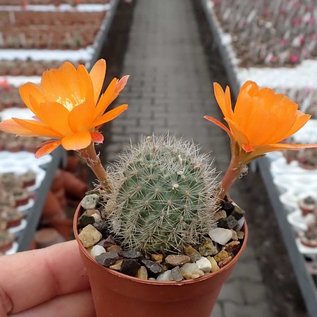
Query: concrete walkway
x=170, y=90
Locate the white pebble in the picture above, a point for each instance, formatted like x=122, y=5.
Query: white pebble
x=97, y=250
x=191, y=271
x=241, y=222
x=89, y=201
x=220, y=235
x=165, y=276
x=204, y=264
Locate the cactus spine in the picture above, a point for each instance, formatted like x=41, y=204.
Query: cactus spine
x=163, y=197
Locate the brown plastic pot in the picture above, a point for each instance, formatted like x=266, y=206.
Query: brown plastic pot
x=118, y=295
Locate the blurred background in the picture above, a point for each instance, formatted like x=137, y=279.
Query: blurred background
x=174, y=50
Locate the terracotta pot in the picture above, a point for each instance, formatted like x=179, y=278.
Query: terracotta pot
x=117, y=295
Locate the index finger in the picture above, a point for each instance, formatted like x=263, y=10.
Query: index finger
x=33, y=277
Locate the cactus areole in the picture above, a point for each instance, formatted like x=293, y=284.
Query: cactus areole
x=164, y=195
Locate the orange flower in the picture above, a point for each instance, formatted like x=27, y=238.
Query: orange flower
x=260, y=120
x=68, y=107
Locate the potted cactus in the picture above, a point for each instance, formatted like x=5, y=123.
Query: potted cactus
x=159, y=233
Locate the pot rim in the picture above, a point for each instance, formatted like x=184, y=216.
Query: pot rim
x=153, y=283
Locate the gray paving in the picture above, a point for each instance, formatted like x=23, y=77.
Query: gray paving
x=170, y=90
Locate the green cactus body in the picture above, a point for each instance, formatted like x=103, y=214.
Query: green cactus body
x=163, y=195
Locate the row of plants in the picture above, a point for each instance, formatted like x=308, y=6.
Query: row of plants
x=278, y=34
x=24, y=3
x=54, y=30
x=18, y=67
x=36, y=30
x=269, y=33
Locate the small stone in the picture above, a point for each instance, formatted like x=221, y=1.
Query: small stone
x=97, y=217
x=157, y=257
x=107, y=259
x=89, y=236
x=97, y=250
x=89, y=201
x=115, y=248
x=240, y=235
x=152, y=279
x=221, y=214
x=214, y=264
x=177, y=259
x=222, y=255
x=108, y=242
x=227, y=206
x=142, y=273
x=225, y=261
x=237, y=212
x=191, y=271
x=116, y=266
x=152, y=266
x=131, y=254
x=177, y=274
x=240, y=224
x=130, y=267
x=92, y=213
x=192, y=253
x=234, y=235
x=204, y=265
x=85, y=220
x=165, y=276
x=233, y=247
x=102, y=227
x=228, y=223
x=208, y=248
x=220, y=235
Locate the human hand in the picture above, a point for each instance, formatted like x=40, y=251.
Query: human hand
x=50, y=282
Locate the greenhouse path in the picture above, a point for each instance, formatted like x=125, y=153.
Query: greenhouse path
x=170, y=90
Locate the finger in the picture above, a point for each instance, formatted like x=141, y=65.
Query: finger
x=30, y=278
x=77, y=304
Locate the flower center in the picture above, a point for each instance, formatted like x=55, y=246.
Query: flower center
x=70, y=103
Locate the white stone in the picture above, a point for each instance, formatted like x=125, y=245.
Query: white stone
x=241, y=222
x=191, y=271
x=97, y=250
x=220, y=235
x=165, y=276
x=204, y=264
x=89, y=201
x=97, y=217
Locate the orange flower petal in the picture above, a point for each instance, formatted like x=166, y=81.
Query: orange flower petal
x=224, y=100
x=38, y=128
x=81, y=117
x=30, y=89
x=51, y=84
x=97, y=75
x=10, y=126
x=97, y=137
x=47, y=148
x=284, y=146
x=243, y=109
x=301, y=120
x=110, y=94
x=110, y=115
x=86, y=85
x=107, y=97
x=238, y=135
x=47, y=114
x=76, y=141
x=219, y=124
